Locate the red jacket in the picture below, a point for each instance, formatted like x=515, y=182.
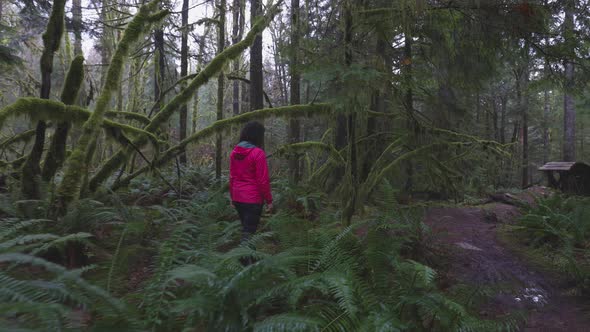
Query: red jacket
x=248, y=175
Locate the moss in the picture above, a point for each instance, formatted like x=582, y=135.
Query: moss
x=73, y=83
x=219, y=126
x=69, y=94
x=306, y=146
x=230, y=53
x=52, y=35
x=129, y=116
x=69, y=189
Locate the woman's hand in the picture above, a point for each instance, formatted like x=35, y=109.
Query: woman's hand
x=231, y=204
x=270, y=208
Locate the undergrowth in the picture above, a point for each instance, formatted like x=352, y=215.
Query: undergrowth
x=557, y=228
x=302, y=271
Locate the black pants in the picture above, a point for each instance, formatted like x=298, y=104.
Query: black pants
x=250, y=217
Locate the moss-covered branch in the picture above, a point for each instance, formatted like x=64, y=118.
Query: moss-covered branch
x=167, y=111
x=306, y=146
x=69, y=188
x=226, y=124
x=51, y=110
x=144, y=120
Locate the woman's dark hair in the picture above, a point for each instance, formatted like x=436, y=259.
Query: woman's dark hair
x=253, y=132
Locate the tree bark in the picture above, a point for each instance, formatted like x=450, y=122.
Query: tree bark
x=504, y=102
x=220, y=88
x=409, y=106
x=183, y=72
x=522, y=81
x=546, y=112
x=256, y=97
x=569, y=111
x=51, y=41
x=295, y=89
x=56, y=153
x=236, y=37
x=159, y=67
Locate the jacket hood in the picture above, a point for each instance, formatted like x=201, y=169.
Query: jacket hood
x=243, y=149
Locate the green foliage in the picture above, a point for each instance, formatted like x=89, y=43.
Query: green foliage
x=212, y=69
x=559, y=227
x=71, y=185
x=308, y=276
x=36, y=294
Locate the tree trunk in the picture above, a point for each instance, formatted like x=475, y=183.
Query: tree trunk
x=56, y=153
x=183, y=72
x=236, y=37
x=504, y=102
x=51, y=41
x=409, y=106
x=546, y=112
x=256, y=94
x=295, y=89
x=523, y=102
x=220, y=88
x=159, y=67
x=569, y=111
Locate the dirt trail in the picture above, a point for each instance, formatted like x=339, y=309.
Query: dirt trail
x=478, y=258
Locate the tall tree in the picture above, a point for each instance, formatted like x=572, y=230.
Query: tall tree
x=256, y=86
x=220, y=87
x=183, y=72
x=159, y=67
x=51, y=41
x=237, y=32
x=295, y=88
x=56, y=153
x=569, y=110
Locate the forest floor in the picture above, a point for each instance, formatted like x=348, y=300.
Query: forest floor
x=480, y=258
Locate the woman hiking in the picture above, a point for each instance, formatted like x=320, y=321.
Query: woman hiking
x=249, y=185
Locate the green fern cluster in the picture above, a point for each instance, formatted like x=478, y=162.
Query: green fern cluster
x=304, y=276
x=36, y=294
x=560, y=226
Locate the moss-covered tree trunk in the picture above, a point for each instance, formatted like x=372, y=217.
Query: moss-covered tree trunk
x=51, y=41
x=57, y=149
x=76, y=165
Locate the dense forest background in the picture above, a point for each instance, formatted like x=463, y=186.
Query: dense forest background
x=117, y=119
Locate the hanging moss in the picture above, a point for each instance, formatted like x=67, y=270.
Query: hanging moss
x=226, y=124
x=69, y=189
x=214, y=67
x=69, y=94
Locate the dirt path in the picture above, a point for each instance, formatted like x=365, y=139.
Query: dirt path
x=479, y=259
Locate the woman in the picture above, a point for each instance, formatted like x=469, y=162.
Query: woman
x=249, y=185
